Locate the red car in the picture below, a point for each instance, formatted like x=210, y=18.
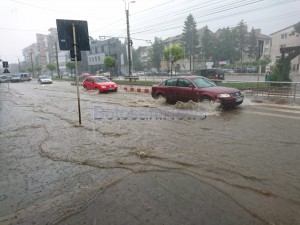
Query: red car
x=99, y=83
x=197, y=89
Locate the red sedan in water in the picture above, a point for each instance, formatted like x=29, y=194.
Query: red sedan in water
x=99, y=83
x=197, y=89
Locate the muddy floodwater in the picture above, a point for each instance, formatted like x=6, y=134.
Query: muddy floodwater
x=136, y=160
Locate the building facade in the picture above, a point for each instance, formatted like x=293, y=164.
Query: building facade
x=286, y=37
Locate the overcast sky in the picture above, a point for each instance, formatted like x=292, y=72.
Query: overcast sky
x=20, y=20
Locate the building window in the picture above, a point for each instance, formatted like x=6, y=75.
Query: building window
x=283, y=36
x=282, y=46
x=98, y=58
x=266, y=51
x=267, y=42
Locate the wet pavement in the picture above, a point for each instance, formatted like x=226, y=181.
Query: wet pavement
x=239, y=166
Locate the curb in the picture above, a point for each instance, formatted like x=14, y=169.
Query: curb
x=130, y=89
x=277, y=102
x=138, y=89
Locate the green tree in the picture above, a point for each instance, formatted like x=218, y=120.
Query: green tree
x=190, y=37
x=208, y=44
x=29, y=69
x=241, y=31
x=51, y=67
x=226, y=46
x=253, y=45
x=110, y=62
x=70, y=66
x=282, y=70
x=37, y=69
x=297, y=27
x=157, y=53
x=172, y=54
x=137, y=65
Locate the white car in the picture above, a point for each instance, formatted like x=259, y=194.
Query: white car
x=45, y=80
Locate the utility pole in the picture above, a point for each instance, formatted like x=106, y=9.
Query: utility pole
x=128, y=46
x=19, y=65
x=32, y=64
x=57, y=64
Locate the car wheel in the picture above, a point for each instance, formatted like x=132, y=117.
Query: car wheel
x=206, y=99
x=160, y=96
x=96, y=89
x=84, y=87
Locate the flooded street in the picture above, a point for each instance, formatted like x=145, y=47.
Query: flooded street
x=238, y=166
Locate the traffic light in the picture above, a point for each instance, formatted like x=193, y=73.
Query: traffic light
x=5, y=64
x=131, y=43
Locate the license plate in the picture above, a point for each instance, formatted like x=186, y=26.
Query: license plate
x=111, y=89
x=239, y=99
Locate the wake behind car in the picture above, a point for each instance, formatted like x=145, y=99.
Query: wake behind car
x=197, y=89
x=100, y=84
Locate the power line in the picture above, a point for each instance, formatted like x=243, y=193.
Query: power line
x=161, y=28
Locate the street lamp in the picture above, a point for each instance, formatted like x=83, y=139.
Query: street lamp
x=128, y=38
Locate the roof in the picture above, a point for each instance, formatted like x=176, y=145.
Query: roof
x=282, y=29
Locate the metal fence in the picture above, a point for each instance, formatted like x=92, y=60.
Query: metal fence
x=271, y=90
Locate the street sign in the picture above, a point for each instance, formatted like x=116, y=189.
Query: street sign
x=6, y=70
x=65, y=35
x=5, y=64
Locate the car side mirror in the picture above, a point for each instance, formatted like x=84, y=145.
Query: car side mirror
x=191, y=86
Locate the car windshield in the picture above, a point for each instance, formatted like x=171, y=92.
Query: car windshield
x=203, y=82
x=44, y=77
x=101, y=80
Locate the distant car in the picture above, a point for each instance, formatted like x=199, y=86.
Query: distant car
x=16, y=78
x=21, y=77
x=99, y=83
x=197, y=89
x=85, y=75
x=5, y=78
x=45, y=80
x=133, y=76
x=214, y=74
x=25, y=77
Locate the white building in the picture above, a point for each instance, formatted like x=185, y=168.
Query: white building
x=286, y=37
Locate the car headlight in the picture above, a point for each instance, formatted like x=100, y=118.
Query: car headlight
x=224, y=96
x=103, y=86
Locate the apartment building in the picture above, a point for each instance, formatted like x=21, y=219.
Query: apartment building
x=286, y=37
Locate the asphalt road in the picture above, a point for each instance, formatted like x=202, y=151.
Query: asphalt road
x=239, y=166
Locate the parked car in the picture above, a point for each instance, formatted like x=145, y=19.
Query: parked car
x=133, y=77
x=16, y=78
x=217, y=74
x=99, y=83
x=45, y=80
x=21, y=77
x=25, y=77
x=5, y=78
x=197, y=89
